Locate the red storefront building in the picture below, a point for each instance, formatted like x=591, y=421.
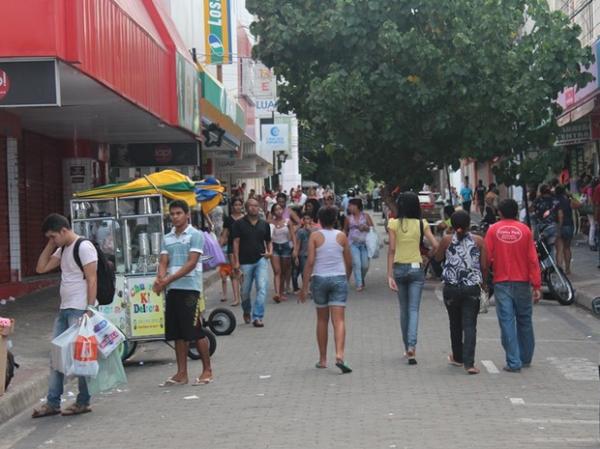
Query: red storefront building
x=77, y=76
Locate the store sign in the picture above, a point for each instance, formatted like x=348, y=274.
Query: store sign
x=217, y=30
x=266, y=108
x=275, y=137
x=29, y=83
x=154, y=155
x=231, y=166
x=188, y=100
x=147, y=311
x=574, y=133
x=265, y=85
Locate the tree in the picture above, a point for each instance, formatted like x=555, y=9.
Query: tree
x=410, y=85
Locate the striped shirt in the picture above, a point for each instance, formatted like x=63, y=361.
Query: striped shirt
x=178, y=248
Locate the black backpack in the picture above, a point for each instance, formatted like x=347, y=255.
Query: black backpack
x=106, y=275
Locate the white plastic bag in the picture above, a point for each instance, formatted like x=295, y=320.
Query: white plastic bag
x=110, y=375
x=372, y=244
x=108, y=335
x=61, y=353
x=85, y=351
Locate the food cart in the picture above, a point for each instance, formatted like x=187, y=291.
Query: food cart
x=128, y=224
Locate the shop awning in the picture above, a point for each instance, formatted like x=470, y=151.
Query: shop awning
x=220, y=107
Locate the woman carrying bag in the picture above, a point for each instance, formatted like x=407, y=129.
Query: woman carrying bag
x=465, y=268
x=405, y=269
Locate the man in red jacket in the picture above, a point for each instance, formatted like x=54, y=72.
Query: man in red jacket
x=512, y=255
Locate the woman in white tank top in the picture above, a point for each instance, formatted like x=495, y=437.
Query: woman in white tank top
x=330, y=265
x=283, y=237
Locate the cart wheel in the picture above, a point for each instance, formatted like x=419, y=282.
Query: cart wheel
x=222, y=321
x=212, y=345
x=126, y=349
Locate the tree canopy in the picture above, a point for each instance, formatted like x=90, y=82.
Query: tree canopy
x=405, y=86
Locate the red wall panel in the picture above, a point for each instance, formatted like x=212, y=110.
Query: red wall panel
x=40, y=192
x=4, y=242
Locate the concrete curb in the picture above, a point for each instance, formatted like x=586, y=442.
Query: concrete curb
x=25, y=394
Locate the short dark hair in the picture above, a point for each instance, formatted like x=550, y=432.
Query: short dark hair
x=560, y=189
x=55, y=223
x=545, y=189
x=460, y=220
x=281, y=195
x=328, y=216
x=449, y=210
x=273, y=207
x=509, y=208
x=237, y=199
x=179, y=204
x=357, y=202
x=408, y=206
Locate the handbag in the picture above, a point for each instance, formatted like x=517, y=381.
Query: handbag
x=484, y=300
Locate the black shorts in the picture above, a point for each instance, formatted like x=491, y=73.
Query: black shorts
x=182, y=318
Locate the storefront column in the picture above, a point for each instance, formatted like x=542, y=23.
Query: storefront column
x=14, y=233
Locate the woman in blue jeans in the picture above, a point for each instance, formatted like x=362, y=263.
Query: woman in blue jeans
x=356, y=228
x=405, y=272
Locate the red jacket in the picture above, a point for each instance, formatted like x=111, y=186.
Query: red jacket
x=511, y=253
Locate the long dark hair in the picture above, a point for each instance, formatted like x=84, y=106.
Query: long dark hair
x=408, y=206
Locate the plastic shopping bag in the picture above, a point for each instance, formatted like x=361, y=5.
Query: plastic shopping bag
x=108, y=335
x=85, y=351
x=372, y=244
x=110, y=374
x=212, y=248
x=61, y=353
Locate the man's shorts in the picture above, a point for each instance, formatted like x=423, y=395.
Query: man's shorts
x=282, y=249
x=329, y=291
x=181, y=320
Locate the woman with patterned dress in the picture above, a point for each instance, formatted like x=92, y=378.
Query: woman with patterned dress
x=464, y=272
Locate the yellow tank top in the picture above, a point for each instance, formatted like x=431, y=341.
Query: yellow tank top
x=408, y=237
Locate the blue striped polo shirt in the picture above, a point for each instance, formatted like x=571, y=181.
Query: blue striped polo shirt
x=178, y=248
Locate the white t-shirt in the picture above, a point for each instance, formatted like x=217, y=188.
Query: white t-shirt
x=73, y=288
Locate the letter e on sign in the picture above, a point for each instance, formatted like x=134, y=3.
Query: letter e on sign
x=4, y=84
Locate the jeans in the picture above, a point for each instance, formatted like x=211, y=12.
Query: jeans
x=65, y=319
x=514, y=308
x=360, y=262
x=410, y=281
x=298, y=270
x=257, y=272
x=462, y=304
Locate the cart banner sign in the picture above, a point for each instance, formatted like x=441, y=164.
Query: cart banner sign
x=29, y=83
x=217, y=30
x=147, y=309
x=155, y=155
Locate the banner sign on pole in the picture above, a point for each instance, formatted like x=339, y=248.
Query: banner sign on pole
x=217, y=31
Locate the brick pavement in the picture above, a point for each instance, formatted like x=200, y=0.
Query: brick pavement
x=384, y=404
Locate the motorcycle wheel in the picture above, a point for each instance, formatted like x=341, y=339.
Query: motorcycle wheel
x=222, y=321
x=560, y=287
x=212, y=346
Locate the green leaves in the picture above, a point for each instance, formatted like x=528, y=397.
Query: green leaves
x=404, y=86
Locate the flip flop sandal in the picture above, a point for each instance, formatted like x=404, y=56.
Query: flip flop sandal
x=76, y=409
x=453, y=362
x=319, y=366
x=45, y=410
x=472, y=370
x=234, y=304
x=204, y=381
x=170, y=382
x=343, y=367
x=276, y=299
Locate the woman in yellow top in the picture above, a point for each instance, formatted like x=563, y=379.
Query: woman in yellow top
x=405, y=272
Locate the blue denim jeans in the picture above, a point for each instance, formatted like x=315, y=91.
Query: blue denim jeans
x=410, y=283
x=257, y=272
x=65, y=319
x=514, y=308
x=360, y=262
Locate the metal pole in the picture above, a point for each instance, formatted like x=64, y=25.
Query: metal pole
x=448, y=181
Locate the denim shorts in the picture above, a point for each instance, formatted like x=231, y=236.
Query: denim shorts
x=329, y=290
x=282, y=249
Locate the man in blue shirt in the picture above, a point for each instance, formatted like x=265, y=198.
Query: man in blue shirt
x=467, y=196
x=179, y=257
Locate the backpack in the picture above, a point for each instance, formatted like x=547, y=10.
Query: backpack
x=106, y=275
